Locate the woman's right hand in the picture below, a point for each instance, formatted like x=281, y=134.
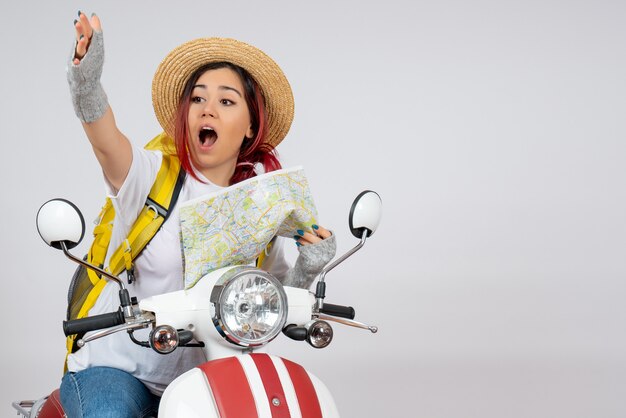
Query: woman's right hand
x=84, y=31
x=111, y=147
x=85, y=69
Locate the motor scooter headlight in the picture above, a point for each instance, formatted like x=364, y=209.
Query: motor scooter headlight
x=250, y=306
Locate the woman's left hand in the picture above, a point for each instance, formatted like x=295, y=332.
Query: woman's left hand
x=316, y=247
x=315, y=235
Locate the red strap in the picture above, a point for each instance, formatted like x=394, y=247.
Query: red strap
x=230, y=388
x=305, y=391
x=272, y=385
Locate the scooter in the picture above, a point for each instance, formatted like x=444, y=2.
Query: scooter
x=230, y=313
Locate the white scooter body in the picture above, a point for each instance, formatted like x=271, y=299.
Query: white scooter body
x=234, y=382
x=205, y=392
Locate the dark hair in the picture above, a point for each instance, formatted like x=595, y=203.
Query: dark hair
x=253, y=150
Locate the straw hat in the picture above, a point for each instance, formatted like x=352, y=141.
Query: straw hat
x=174, y=71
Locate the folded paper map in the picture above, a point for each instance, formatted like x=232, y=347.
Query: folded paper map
x=233, y=225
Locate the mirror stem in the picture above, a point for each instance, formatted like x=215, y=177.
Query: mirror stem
x=125, y=301
x=89, y=266
x=320, y=293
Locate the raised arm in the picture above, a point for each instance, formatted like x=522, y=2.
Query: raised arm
x=111, y=147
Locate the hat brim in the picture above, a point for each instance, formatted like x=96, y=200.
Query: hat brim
x=177, y=67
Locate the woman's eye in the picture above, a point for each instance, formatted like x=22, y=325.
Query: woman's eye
x=197, y=99
x=227, y=102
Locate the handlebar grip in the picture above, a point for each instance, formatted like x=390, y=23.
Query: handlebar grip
x=91, y=323
x=338, y=310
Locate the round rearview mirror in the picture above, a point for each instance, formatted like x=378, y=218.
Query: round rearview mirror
x=60, y=220
x=365, y=213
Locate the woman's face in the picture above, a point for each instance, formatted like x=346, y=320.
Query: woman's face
x=219, y=120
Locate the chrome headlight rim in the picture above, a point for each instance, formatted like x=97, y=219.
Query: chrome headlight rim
x=220, y=289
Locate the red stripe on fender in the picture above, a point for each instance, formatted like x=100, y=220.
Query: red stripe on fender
x=305, y=391
x=230, y=387
x=271, y=383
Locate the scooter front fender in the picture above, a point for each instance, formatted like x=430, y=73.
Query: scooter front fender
x=250, y=385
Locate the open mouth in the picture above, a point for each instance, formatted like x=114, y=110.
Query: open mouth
x=207, y=136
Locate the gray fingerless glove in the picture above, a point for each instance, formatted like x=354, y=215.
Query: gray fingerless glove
x=310, y=263
x=88, y=97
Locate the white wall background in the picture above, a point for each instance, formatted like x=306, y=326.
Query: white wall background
x=493, y=130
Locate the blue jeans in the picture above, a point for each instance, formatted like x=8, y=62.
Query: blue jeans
x=104, y=392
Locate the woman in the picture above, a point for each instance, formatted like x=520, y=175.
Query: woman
x=227, y=105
